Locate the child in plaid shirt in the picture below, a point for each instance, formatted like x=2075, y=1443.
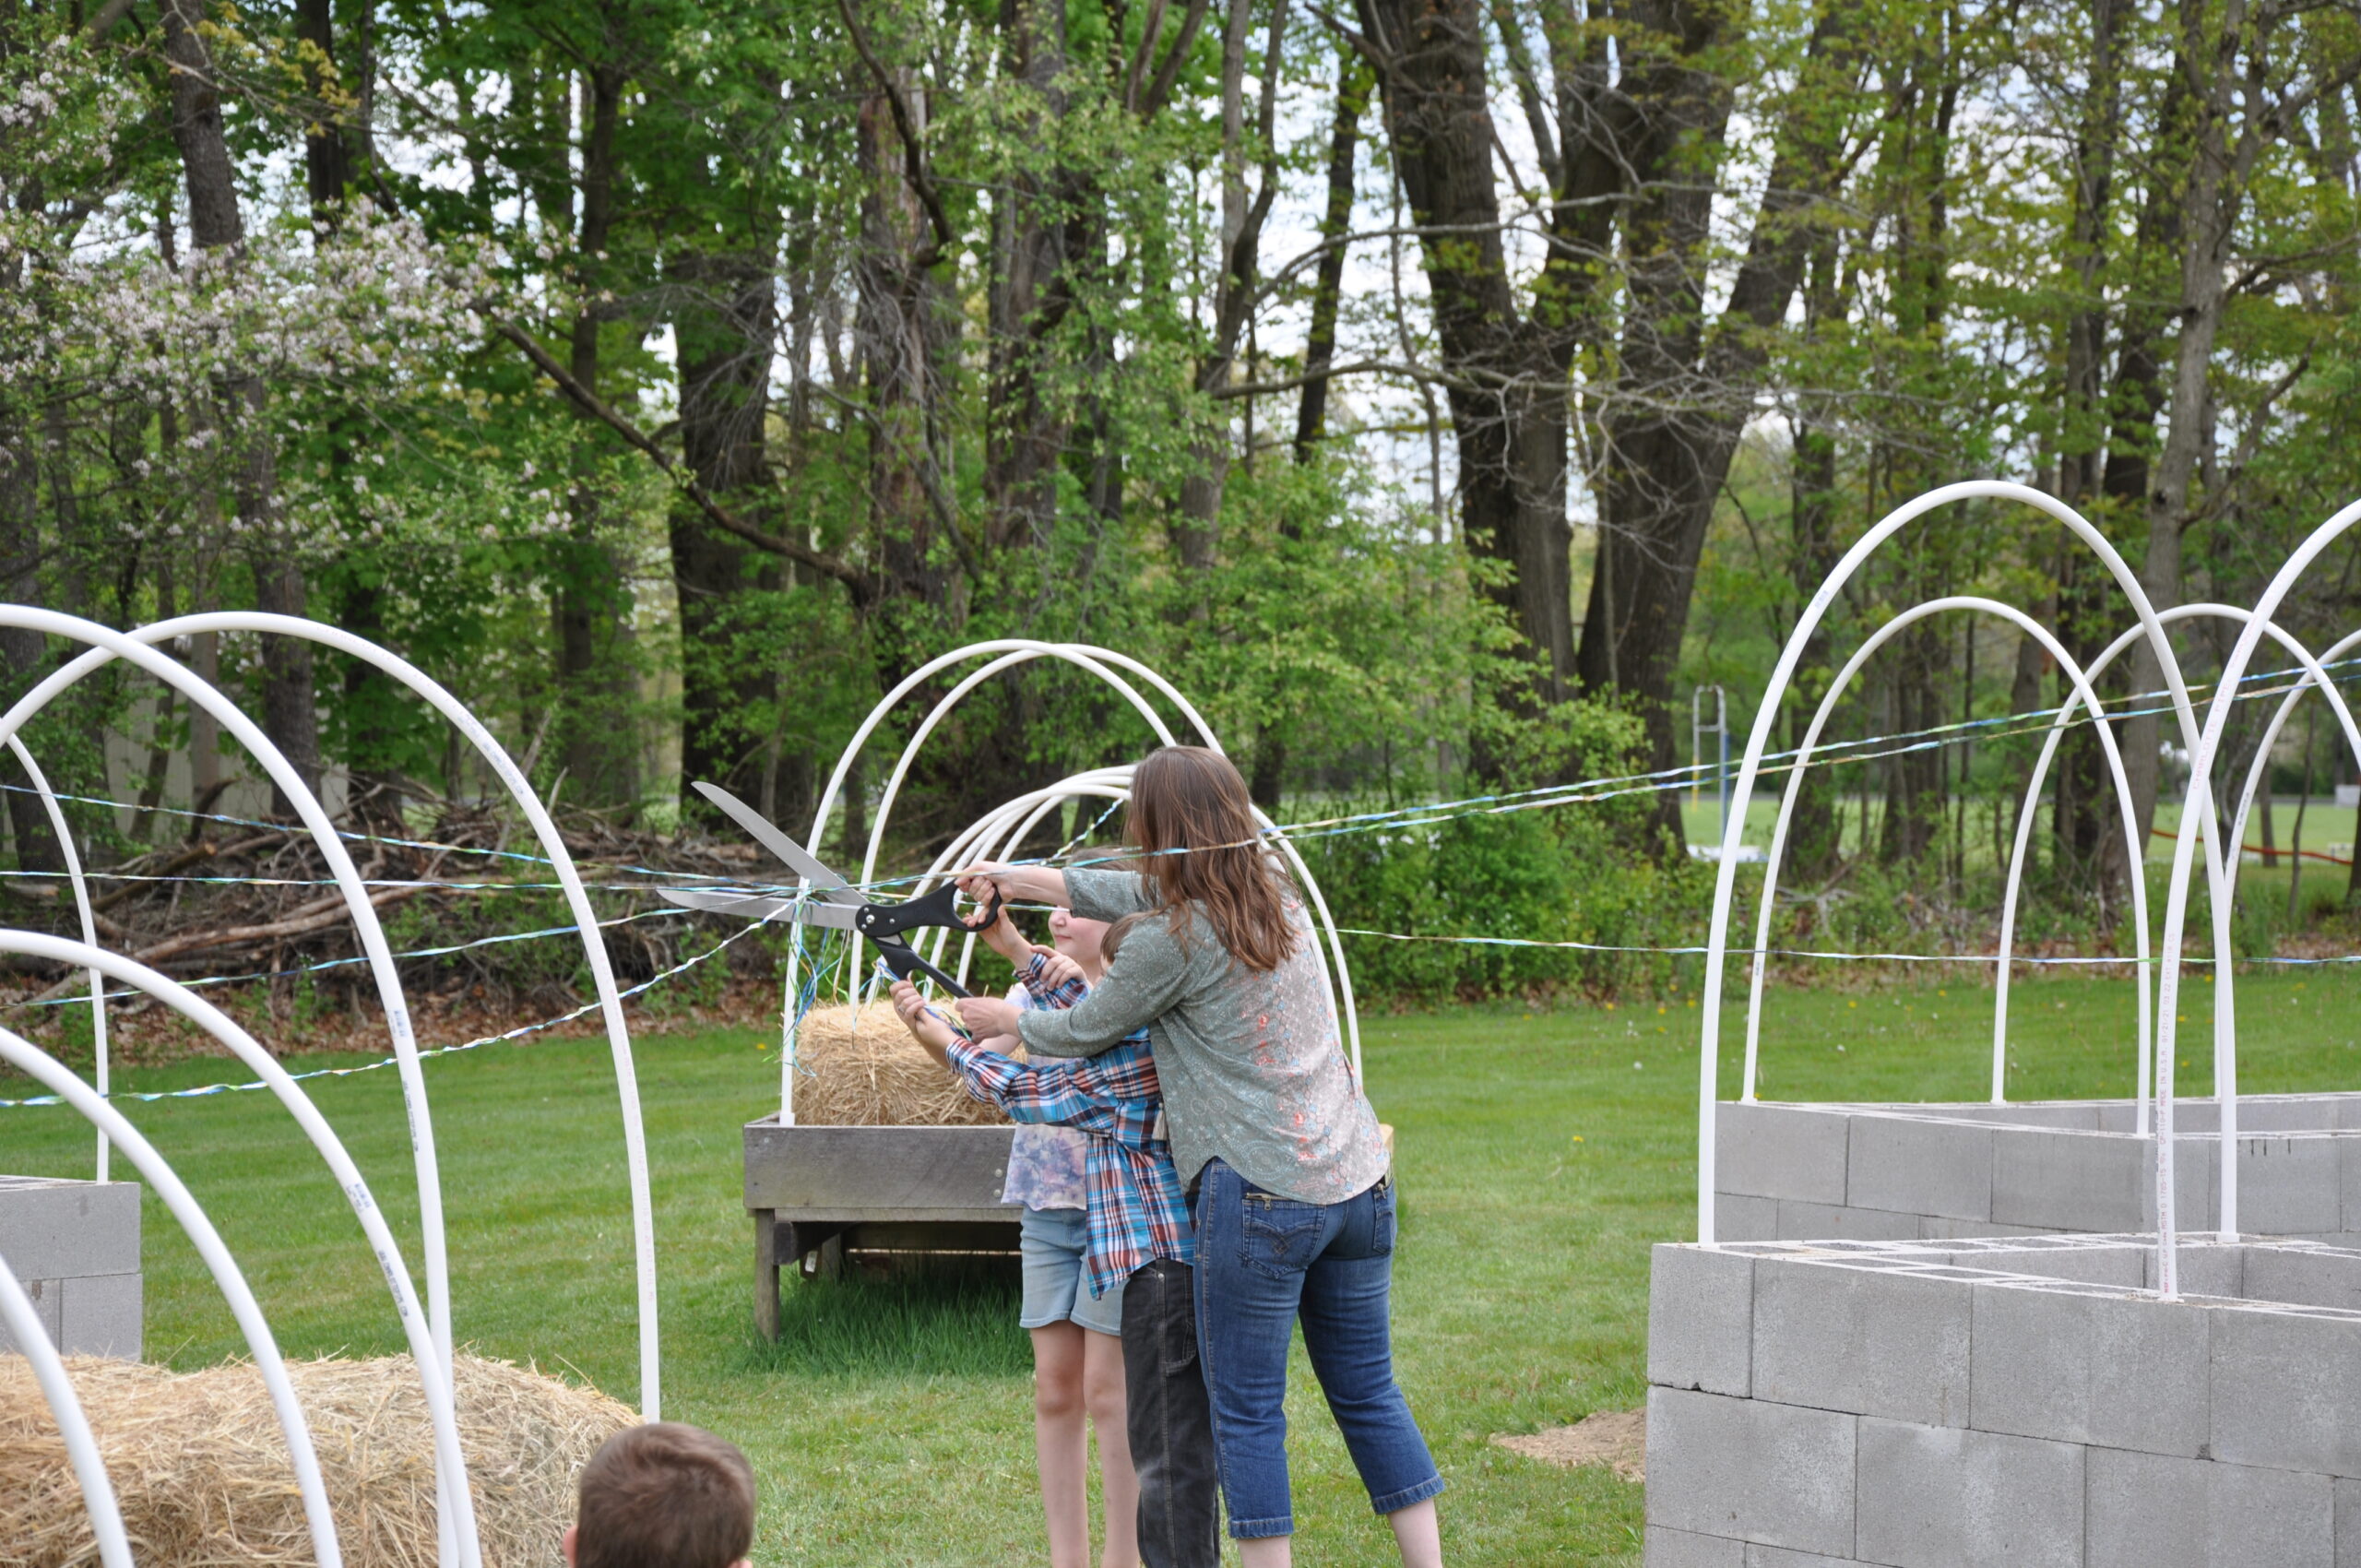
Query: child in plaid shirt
x=1138, y=1233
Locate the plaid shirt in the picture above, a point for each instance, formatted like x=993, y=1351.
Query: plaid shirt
x=1136, y=1210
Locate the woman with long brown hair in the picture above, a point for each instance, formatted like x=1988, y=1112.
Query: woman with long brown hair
x=1289, y=1179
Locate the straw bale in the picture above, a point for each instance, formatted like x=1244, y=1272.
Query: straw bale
x=202, y=1476
x=876, y=1075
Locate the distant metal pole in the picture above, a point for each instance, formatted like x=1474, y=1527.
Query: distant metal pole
x=1721, y=779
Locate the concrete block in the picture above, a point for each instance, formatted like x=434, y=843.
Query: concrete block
x=2290, y=1186
x=1944, y=1497
x=1861, y=1340
x=2288, y=1112
x=1780, y=1557
x=1908, y=1165
x=1681, y=1548
x=2130, y=1372
x=51, y=1230
x=1933, y=1228
x=2121, y=1266
x=100, y=1316
x=2348, y=1165
x=1741, y=1218
x=2348, y=1505
x=2150, y=1511
x=1700, y=1318
x=46, y=1299
x=2066, y=1181
x=2207, y=1268
x=1780, y=1151
x=2303, y=1277
x=1800, y=1222
x=2286, y=1386
x=1775, y=1475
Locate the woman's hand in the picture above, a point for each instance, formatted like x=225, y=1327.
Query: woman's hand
x=988, y=1017
x=1041, y=884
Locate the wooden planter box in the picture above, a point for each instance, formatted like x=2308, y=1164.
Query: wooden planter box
x=818, y=1193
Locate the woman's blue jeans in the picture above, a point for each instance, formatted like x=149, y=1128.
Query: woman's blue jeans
x=1263, y=1263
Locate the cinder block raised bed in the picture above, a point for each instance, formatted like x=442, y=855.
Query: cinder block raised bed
x=1911, y=1172
x=2028, y=1402
x=75, y=1248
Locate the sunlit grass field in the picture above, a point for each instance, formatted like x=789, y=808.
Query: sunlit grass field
x=1539, y=1154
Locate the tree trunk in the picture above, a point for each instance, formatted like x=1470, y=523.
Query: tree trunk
x=1027, y=415
x=1353, y=83
x=723, y=329
x=592, y=605
x=289, y=717
x=1508, y=394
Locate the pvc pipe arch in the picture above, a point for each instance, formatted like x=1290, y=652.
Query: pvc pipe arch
x=2222, y=870
x=434, y=1375
x=2082, y=683
x=24, y=1326
x=340, y=867
x=82, y=906
x=578, y=900
x=2202, y=759
x=1757, y=742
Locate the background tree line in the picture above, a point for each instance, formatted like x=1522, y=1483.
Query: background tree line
x=1433, y=389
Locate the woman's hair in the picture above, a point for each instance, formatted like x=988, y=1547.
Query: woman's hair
x=1200, y=844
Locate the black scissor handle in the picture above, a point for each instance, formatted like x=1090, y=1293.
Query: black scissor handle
x=904, y=960
x=938, y=908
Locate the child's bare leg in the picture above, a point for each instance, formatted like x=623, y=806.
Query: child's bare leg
x=1265, y=1552
x=1102, y=1395
x=1059, y=1444
x=1418, y=1530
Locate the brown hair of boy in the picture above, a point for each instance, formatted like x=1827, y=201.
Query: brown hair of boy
x=664, y=1494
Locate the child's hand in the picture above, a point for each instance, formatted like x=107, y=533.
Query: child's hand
x=926, y=1025
x=1057, y=968
x=1002, y=937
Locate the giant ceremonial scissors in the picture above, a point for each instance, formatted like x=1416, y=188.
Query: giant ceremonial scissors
x=833, y=901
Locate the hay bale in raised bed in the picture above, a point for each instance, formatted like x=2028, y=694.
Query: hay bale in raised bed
x=876, y=1075
x=202, y=1476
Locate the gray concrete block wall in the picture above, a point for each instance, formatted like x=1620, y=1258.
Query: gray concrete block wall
x=1900, y=1172
x=2010, y=1401
x=75, y=1247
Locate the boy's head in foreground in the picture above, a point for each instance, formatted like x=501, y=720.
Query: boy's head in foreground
x=664, y=1494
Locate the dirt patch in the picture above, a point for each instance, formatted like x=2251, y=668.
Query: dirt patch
x=1617, y=1439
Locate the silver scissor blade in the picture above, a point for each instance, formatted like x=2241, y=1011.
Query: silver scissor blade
x=825, y=882
x=761, y=907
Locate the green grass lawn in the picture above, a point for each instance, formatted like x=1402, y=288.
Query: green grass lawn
x=1540, y=1155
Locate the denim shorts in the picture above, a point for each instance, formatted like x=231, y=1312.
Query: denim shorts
x=1052, y=1242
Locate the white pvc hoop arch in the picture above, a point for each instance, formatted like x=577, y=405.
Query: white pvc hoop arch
x=1876, y=639
x=2201, y=757
x=434, y=1375
x=65, y=831
x=2222, y=868
x=578, y=900
x=1090, y=659
x=348, y=879
x=1757, y=742
x=320, y=1518
x=23, y=1323
x=1114, y=784
x=942, y=710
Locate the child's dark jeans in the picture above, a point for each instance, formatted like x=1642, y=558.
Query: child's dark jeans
x=1169, y=1419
